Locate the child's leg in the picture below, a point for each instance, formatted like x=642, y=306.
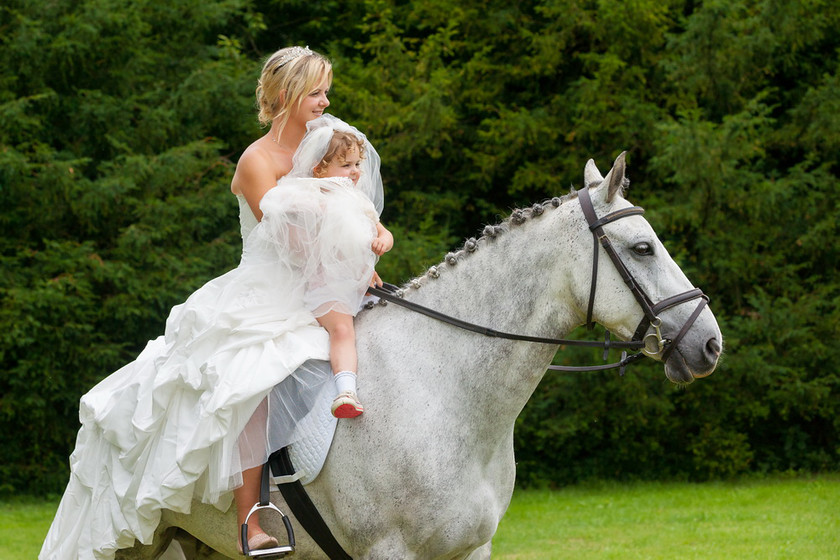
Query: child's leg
x=342, y=340
x=344, y=362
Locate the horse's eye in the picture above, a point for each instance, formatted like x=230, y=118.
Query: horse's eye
x=643, y=249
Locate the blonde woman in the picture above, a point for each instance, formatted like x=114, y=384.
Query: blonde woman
x=187, y=419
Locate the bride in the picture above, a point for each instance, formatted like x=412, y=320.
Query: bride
x=189, y=416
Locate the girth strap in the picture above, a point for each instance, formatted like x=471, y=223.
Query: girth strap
x=302, y=507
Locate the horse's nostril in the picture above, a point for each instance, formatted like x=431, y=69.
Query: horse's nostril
x=713, y=346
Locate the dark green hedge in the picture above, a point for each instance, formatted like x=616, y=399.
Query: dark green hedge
x=120, y=123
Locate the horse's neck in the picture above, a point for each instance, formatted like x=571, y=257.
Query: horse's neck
x=515, y=280
x=511, y=283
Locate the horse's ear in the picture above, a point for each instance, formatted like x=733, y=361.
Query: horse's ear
x=591, y=176
x=615, y=179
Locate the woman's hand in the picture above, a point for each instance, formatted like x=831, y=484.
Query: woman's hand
x=376, y=281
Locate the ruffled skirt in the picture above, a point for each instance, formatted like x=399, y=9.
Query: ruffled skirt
x=193, y=410
x=179, y=422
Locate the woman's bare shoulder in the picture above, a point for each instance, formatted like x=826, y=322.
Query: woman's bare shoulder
x=258, y=167
x=258, y=150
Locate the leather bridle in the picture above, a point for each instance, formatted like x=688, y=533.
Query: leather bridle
x=654, y=345
x=649, y=344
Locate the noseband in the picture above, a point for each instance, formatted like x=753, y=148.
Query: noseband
x=652, y=344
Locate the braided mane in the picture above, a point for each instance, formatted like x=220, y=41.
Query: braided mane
x=490, y=232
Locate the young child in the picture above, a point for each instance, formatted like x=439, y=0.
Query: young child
x=343, y=159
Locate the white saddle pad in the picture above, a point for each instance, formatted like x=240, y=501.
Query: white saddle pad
x=315, y=433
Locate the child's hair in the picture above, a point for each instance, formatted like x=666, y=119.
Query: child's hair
x=298, y=71
x=340, y=143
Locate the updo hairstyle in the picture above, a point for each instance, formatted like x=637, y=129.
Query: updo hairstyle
x=298, y=76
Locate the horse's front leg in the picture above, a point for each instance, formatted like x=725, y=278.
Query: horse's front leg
x=482, y=552
x=160, y=543
x=186, y=547
x=390, y=548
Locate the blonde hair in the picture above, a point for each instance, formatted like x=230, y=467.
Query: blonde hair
x=340, y=143
x=295, y=70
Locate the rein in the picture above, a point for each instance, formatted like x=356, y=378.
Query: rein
x=652, y=344
x=393, y=294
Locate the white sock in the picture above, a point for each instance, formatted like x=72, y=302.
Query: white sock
x=345, y=381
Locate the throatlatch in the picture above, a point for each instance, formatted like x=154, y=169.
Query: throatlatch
x=265, y=503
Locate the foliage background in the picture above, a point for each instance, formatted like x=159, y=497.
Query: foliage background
x=121, y=121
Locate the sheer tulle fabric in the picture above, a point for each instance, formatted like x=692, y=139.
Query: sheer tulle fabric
x=226, y=383
x=317, y=222
x=314, y=145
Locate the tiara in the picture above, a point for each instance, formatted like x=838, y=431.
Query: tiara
x=294, y=52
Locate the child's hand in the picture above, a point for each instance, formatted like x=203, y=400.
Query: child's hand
x=376, y=281
x=380, y=246
x=384, y=241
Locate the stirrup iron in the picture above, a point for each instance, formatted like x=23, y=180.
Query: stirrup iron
x=264, y=503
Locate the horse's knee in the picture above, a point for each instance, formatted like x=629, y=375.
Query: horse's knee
x=160, y=543
x=192, y=548
x=482, y=552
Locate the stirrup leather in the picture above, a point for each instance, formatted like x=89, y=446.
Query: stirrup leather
x=264, y=503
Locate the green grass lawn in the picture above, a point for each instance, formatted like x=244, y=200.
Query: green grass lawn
x=773, y=518
x=23, y=525
x=776, y=518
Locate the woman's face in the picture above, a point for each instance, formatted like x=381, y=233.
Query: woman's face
x=349, y=166
x=312, y=105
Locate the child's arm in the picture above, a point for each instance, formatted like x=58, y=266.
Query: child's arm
x=384, y=240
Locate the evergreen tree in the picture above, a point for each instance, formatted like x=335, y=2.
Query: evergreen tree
x=120, y=124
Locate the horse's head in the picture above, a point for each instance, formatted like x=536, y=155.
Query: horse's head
x=641, y=292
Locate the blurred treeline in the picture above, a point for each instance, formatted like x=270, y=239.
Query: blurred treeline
x=121, y=121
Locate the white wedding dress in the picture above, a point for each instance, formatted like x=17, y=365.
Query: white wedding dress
x=193, y=410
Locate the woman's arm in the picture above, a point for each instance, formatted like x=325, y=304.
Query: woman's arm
x=256, y=174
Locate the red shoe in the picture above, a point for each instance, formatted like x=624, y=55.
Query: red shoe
x=347, y=405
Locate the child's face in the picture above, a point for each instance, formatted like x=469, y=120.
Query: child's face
x=348, y=166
